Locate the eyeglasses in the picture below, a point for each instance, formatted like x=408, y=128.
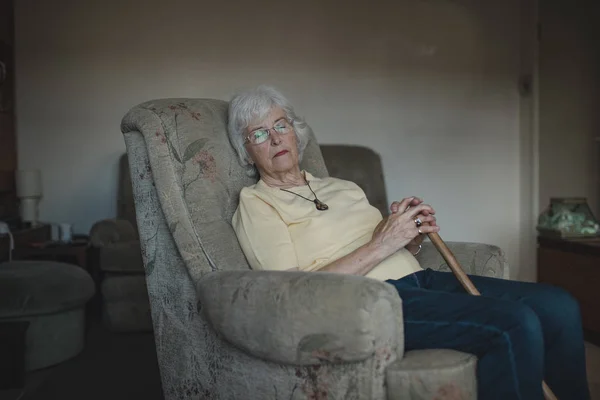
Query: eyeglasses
x=261, y=135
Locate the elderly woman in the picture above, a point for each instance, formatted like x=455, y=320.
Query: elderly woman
x=291, y=220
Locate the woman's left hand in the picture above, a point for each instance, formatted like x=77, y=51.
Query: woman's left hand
x=394, y=208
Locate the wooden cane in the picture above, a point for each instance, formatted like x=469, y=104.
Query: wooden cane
x=464, y=280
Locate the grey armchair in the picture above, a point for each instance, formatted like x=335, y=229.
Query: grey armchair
x=225, y=332
x=118, y=269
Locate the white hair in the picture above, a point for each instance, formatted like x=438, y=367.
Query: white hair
x=255, y=105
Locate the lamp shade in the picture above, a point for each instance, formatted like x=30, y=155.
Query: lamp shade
x=29, y=183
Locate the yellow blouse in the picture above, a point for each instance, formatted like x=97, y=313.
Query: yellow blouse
x=278, y=230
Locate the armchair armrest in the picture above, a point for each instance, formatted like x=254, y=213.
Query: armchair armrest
x=475, y=258
x=111, y=231
x=303, y=318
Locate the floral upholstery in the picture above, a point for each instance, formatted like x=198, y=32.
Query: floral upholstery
x=209, y=311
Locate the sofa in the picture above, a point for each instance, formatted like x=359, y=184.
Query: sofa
x=224, y=331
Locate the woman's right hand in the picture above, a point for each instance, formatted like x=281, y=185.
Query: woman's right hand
x=399, y=229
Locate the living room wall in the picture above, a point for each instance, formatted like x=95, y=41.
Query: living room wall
x=569, y=99
x=8, y=150
x=429, y=85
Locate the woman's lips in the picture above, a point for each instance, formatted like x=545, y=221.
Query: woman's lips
x=282, y=152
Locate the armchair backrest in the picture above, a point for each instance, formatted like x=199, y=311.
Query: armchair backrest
x=340, y=161
x=197, y=177
x=360, y=165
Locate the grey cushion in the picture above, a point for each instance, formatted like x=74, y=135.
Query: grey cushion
x=42, y=287
x=433, y=374
x=475, y=258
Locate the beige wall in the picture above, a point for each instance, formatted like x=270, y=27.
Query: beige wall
x=430, y=85
x=569, y=100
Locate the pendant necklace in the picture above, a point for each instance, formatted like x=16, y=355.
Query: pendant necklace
x=318, y=203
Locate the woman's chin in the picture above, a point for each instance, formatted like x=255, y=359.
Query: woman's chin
x=283, y=163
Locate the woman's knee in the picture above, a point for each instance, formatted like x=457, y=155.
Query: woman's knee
x=563, y=300
x=526, y=325
x=556, y=303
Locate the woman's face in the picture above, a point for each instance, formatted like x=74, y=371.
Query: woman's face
x=279, y=153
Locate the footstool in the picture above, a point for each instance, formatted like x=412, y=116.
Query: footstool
x=51, y=296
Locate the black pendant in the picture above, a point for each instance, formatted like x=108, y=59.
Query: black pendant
x=320, y=205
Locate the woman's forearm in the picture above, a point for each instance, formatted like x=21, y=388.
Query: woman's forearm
x=413, y=248
x=393, y=233
x=359, y=262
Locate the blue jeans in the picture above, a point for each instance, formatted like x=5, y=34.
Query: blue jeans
x=521, y=332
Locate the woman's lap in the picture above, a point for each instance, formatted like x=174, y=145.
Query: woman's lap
x=513, y=324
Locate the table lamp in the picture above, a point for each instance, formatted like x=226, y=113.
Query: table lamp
x=29, y=192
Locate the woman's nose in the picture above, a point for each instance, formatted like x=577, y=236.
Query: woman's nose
x=275, y=138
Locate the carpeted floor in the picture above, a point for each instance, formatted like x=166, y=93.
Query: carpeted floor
x=124, y=366
x=592, y=352
x=112, y=366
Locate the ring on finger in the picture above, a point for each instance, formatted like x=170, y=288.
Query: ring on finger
x=420, y=232
x=418, y=222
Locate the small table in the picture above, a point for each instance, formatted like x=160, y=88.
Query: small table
x=574, y=265
x=22, y=237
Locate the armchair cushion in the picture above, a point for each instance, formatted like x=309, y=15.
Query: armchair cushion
x=433, y=374
x=303, y=318
x=475, y=258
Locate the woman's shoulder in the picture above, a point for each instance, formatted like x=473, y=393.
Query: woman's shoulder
x=253, y=205
x=330, y=180
x=256, y=194
x=262, y=193
x=339, y=183
x=250, y=192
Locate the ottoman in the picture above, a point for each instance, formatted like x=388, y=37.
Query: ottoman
x=51, y=296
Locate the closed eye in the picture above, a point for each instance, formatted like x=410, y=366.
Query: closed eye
x=260, y=134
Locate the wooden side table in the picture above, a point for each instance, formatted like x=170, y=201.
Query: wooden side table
x=574, y=265
x=71, y=253
x=22, y=238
